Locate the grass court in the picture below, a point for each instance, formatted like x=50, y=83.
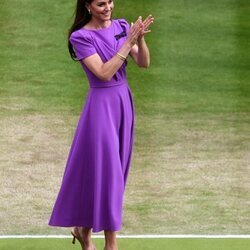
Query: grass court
x=131, y=244
x=190, y=167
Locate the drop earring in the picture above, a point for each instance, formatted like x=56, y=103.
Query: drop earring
x=89, y=11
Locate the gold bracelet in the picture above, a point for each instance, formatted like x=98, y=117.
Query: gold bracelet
x=123, y=58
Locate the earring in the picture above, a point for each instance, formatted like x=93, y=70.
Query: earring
x=89, y=11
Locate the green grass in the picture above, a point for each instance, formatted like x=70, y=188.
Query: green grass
x=190, y=168
x=131, y=244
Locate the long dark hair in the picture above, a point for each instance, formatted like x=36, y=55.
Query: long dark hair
x=82, y=17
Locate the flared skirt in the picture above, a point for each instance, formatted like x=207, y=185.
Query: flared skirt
x=93, y=184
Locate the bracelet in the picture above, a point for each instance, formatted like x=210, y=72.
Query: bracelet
x=123, y=58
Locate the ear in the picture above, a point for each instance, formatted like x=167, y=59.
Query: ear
x=87, y=5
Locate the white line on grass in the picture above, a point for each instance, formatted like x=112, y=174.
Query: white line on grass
x=149, y=236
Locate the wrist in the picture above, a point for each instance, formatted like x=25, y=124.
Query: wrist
x=141, y=39
x=128, y=44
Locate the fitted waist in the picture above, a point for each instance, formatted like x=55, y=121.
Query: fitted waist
x=107, y=84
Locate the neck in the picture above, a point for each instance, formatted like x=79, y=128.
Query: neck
x=96, y=24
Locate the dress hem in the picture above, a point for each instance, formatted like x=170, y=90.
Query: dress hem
x=94, y=230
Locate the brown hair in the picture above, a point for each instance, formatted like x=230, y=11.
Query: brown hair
x=82, y=17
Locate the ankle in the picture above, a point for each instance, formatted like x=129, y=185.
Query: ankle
x=87, y=242
x=112, y=246
x=85, y=234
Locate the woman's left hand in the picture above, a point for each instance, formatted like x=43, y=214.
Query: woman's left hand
x=145, y=26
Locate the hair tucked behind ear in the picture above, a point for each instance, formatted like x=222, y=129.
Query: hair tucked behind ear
x=82, y=17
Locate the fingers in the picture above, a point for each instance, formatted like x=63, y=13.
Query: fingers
x=135, y=30
x=148, y=21
x=135, y=27
x=137, y=23
x=145, y=32
x=140, y=28
x=149, y=17
x=144, y=24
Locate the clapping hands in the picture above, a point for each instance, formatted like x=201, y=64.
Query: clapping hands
x=139, y=29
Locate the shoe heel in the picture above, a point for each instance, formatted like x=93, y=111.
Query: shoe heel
x=74, y=239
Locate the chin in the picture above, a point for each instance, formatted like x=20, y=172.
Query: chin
x=106, y=17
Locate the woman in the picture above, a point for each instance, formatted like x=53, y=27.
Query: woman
x=91, y=194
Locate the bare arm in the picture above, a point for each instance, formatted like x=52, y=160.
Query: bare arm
x=105, y=71
x=140, y=52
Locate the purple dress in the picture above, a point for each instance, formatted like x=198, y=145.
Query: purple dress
x=92, y=189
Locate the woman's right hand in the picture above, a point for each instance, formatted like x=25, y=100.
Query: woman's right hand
x=134, y=32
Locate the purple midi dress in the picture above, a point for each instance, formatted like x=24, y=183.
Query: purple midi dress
x=93, y=184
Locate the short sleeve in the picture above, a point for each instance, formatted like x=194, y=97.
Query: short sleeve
x=124, y=24
x=82, y=45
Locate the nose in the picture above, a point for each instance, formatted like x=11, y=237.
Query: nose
x=108, y=7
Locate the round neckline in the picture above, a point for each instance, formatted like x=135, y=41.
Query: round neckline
x=105, y=28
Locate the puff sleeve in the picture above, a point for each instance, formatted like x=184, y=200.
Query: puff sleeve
x=125, y=25
x=83, y=45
